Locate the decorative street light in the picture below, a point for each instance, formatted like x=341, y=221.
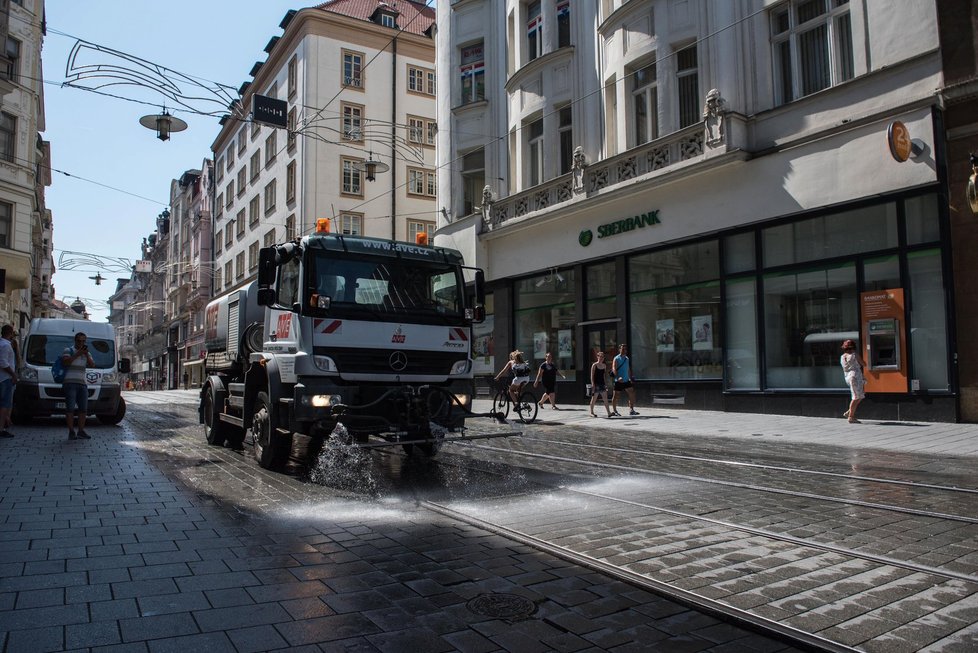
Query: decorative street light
x=164, y=124
x=371, y=167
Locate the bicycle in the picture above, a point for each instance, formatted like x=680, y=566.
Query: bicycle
x=526, y=406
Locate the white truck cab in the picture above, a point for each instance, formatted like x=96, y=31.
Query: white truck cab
x=37, y=395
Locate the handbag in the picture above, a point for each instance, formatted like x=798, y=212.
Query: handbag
x=588, y=390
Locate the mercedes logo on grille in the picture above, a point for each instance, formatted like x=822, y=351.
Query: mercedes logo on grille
x=398, y=361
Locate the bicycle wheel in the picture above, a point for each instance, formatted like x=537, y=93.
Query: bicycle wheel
x=500, y=404
x=527, y=407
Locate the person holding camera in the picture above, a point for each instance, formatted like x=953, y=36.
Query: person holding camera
x=76, y=360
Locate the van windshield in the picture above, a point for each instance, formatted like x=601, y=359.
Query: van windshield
x=42, y=350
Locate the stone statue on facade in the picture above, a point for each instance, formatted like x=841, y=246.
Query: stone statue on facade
x=713, y=112
x=578, y=164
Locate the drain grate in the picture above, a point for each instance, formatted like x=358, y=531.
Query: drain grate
x=502, y=606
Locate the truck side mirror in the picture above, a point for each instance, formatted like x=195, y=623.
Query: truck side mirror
x=124, y=366
x=266, y=268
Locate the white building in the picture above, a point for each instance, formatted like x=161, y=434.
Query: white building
x=358, y=80
x=744, y=187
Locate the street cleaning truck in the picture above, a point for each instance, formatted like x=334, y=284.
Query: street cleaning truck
x=367, y=333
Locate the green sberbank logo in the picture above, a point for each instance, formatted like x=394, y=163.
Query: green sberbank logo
x=628, y=224
x=585, y=238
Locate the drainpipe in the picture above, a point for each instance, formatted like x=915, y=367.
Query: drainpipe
x=393, y=138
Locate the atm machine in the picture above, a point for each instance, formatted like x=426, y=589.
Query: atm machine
x=884, y=340
x=883, y=345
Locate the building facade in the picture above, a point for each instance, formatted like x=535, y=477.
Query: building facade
x=729, y=188
x=357, y=79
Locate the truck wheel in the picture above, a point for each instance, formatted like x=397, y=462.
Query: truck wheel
x=115, y=418
x=215, y=431
x=20, y=416
x=270, y=447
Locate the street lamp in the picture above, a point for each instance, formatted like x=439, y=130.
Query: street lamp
x=371, y=167
x=163, y=123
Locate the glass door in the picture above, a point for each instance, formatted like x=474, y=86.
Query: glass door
x=601, y=337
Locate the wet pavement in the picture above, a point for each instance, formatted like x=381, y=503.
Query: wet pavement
x=146, y=539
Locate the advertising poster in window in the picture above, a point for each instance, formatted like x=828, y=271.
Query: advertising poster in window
x=539, y=345
x=702, y=332
x=483, y=356
x=665, y=335
x=564, y=348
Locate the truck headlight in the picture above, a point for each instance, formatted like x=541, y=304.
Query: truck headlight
x=28, y=374
x=460, y=367
x=324, y=363
x=321, y=401
x=109, y=377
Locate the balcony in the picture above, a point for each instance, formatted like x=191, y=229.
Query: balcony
x=683, y=152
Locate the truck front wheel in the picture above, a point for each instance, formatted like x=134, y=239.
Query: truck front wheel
x=271, y=448
x=215, y=431
x=117, y=416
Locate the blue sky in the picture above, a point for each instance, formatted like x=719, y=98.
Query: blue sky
x=99, y=138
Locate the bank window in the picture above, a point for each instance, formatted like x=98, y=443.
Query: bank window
x=645, y=104
x=811, y=42
x=741, y=351
x=923, y=220
x=674, y=303
x=472, y=73
x=534, y=31
x=738, y=253
x=688, y=84
x=601, y=295
x=807, y=316
x=545, y=313
x=928, y=321
x=850, y=232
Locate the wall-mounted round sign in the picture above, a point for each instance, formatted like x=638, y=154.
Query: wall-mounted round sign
x=585, y=238
x=898, y=138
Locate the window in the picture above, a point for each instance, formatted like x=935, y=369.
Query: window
x=239, y=263
x=6, y=224
x=254, y=208
x=255, y=165
x=421, y=80
x=563, y=23
x=290, y=228
x=352, y=69
x=228, y=274
x=473, y=180
x=534, y=31
x=229, y=155
x=293, y=75
x=218, y=243
x=271, y=148
x=255, y=130
x=242, y=180
x=270, y=196
x=543, y=307
x=472, y=72
x=811, y=43
x=416, y=227
x=269, y=238
x=8, y=136
x=645, y=104
x=11, y=60
x=421, y=182
x=388, y=20
x=601, y=291
x=534, y=142
x=239, y=223
x=352, y=183
x=219, y=170
x=242, y=141
x=422, y=131
x=253, y=256
x=290, y=182
x=228, y=232
x=351, y=224
x=688, y=84
x=219, y=205
x=217, y=279
x=565, y=137
x=352, y=122
x=229, y=193
x=290, y=129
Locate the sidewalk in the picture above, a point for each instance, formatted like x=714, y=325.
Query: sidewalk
x=910, y=437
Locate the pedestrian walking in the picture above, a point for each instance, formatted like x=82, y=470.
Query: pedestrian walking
x=621, y=370
x=8, y=377
x=547, y=374
x=852, y=366
x=599, y=387
x=76, y=360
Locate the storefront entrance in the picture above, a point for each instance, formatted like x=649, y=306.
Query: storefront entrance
x=601, y=337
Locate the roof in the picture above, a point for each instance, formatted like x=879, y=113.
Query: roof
x=413, y=17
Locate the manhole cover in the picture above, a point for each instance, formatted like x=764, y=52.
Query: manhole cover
x=502, y=606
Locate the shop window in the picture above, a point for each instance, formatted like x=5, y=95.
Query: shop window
x=545, y=314
x=851, y=232
x=928, y=325
x=483, y=348
x=600, y=289
x=923, y=221
x=738, y=253
x=881, y=273
x=807, y=315
x=741, y=335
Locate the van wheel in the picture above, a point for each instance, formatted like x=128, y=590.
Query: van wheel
x=271, y=448
x=120, y=412
x=19, y=417
x=215, y=431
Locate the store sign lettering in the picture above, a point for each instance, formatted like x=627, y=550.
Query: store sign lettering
x=629, y=224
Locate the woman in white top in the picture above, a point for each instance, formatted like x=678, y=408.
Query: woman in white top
x=852, y=367
x=520, y=369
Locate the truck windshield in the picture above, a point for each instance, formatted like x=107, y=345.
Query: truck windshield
x=42, y=350
x=388, y=286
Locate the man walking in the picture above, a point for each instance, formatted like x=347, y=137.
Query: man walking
x=8, y=377
x=76, y=360
x=621, y=370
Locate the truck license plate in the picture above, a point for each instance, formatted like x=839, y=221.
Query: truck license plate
x=59, y=404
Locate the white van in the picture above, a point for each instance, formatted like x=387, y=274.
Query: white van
x=37, y=395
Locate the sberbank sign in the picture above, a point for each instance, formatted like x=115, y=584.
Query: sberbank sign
x=620, y=226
